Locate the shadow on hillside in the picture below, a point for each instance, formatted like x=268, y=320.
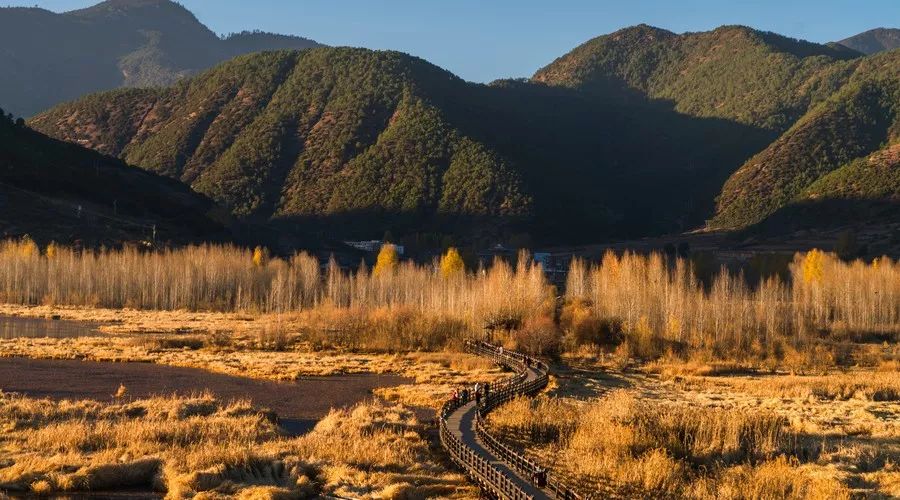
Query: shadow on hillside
x=641, y=166
x=67, y=193
x=827, y=214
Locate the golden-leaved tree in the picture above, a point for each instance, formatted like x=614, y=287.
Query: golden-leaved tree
x=452, y=264
x=388, y=258
x=260, y=256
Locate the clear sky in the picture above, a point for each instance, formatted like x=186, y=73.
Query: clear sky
x=482, y=40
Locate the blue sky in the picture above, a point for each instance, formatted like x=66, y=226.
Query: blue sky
x=481, y=40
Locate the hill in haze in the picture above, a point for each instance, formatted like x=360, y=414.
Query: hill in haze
x=55, y=191
x=874, y=41
x=49, y=58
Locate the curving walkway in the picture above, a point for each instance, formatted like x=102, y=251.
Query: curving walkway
x=500, y=471
x=462, y=425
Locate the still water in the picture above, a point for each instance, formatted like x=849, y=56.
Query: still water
x=14, y=327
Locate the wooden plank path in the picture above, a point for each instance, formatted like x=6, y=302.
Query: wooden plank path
x=500, y=471
x=462, y=424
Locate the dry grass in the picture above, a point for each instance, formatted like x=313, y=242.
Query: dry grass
x=201, y=446
x=860, y=385
x=775, y=436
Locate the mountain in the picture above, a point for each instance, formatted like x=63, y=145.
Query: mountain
x=823, y=157
x=57, y=191
x=639, y=132
x=873, y=41
x=48, y=58
x=736, y=73
x=827, y=107
x=354, y=142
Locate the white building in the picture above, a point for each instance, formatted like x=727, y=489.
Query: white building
x=372, y=246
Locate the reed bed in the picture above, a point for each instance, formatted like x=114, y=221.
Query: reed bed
x=658, y=305
x=625, y=447
x=645, y=304
x=201, y=447
x=228, y=278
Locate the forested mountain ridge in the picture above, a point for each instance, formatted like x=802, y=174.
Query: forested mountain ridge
x=49, y=58
x=303, y=133
x=383, y=140
x=822, y=155
x=830, y=105
x=631, y=134
x=737, y=73
x=874, y=41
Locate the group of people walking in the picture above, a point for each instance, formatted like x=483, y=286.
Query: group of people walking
x=478, y=393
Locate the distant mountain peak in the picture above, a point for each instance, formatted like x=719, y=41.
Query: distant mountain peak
x=874, y=40
x=120, y=43
x=125, y=6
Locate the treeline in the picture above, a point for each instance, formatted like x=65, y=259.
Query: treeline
x=10, y=119
x=657, y=306
x=647, y=306
x=227, y=278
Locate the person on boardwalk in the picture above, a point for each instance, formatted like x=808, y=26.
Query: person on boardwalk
x=539, y=477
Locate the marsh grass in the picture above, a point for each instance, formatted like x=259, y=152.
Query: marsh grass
x=877, y=386
x=201, y=446
x=669, y=450
x=656, y=307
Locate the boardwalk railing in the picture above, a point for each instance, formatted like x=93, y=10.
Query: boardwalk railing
x=490, y=479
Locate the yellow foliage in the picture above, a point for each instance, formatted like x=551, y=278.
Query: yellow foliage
x=52, y=250
x=28, y=247
x=452, y=263
x=387, y=260
x=884, y=261
x=260, y=256
x=813, y=266
x=643, y=327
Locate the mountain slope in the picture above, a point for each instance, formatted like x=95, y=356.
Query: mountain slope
x=829, y=105
x=301, y=134
x=819, y=158
x=133, y=43
x=361, y=141
x=52, y=190
x=874, y=41
x=733, y=72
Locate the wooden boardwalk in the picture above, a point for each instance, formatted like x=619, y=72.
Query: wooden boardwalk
x=498, y=469
x=462, y=424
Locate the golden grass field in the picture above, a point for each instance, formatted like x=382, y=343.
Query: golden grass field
x=636, y=433
x=664, y=386
x=204, y=448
